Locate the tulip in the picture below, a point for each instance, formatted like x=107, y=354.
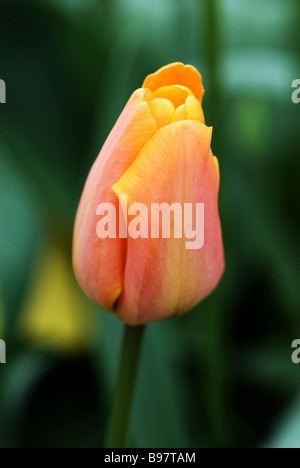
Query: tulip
x=158, y=152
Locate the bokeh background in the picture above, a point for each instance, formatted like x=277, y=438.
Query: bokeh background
x=222, y=375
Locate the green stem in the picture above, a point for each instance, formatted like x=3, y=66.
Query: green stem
x=124, y=392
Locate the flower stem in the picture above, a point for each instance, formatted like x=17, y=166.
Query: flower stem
x=124, y=392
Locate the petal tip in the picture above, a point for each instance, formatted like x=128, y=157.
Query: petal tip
x=176, y=74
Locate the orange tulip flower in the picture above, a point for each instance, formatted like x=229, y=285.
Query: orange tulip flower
x=158, y=152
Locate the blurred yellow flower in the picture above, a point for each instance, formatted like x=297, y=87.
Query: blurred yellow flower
x=55, y=313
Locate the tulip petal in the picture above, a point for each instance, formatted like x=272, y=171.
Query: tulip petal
x=176, y=94
x=98, y=264
x=162, y=278
x=162, y=110
x=194, y=110
x=180, y=114
x=176, y=74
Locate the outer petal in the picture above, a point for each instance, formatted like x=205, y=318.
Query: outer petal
x=162, y=278
x=176, y=74
x=98, y=264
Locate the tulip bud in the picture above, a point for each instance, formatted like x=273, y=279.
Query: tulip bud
x=147, y=238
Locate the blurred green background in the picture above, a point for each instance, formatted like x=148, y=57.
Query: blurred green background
x=222, y=375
